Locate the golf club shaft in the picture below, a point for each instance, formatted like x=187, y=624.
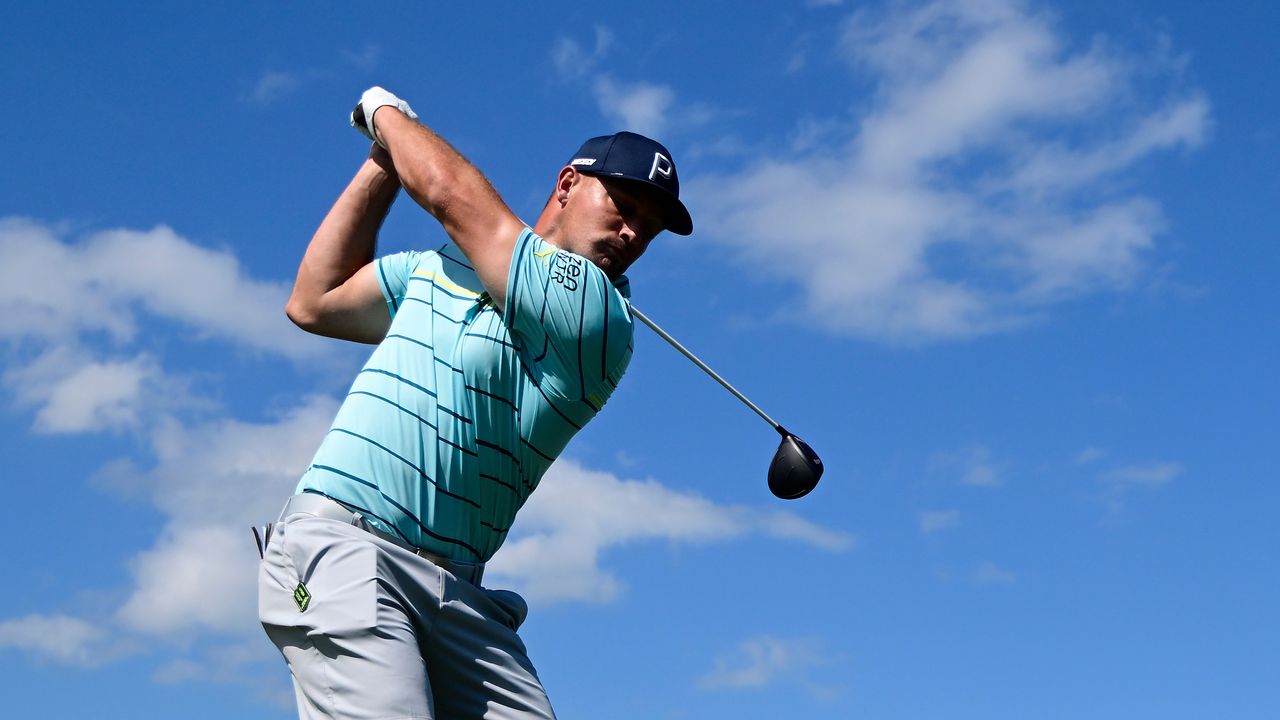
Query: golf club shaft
x=685, y=351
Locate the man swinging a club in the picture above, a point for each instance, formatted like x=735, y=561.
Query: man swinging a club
x=492, y=352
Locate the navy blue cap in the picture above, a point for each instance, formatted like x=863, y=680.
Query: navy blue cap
x=631, y=156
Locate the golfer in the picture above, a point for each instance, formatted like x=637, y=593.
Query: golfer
x=492, y=351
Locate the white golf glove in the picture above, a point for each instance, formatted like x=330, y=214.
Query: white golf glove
x=372, y=99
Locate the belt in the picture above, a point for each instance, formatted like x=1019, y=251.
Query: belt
x=325, y=507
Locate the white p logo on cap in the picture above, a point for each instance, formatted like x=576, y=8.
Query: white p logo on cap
x=661, y=166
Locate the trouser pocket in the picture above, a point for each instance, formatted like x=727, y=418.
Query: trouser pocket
x=513, y=609
x=316, y=575
x=262, y=538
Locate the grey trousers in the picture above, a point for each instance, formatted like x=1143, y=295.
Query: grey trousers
x=372, y=631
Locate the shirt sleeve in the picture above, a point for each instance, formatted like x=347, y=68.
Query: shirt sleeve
x=393, y=277
x=573, y=323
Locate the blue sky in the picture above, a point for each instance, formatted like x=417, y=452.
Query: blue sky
x=1007, y=266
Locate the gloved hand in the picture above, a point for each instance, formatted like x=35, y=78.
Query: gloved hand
x=372, y=99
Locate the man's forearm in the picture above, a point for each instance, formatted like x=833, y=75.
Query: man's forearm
x=434, y=174
x=456, y=193
x=346, y=238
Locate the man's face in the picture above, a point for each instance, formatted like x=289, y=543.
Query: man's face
x=610, y=222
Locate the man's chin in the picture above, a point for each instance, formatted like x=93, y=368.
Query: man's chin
x=608, y=263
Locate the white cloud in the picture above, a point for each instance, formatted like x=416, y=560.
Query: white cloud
x=239, y=664
x=1054, y=166
x=578, y=513
x=762, y=661
x=932, y=521
x=988, y=573
x=974, y=465
x=365, y=59
x=109, y=279
x=60, y=639
x=196, y=578
x=647, y=108
x=97, y=395
x=981, y=471
x=1150, y=475
x=1120, y=482
x=1089, y=455
x=640, y=107
x=977, y=188
x=575, y=62
x=272, y=86
x=232, y=471
x=84, y=357
x=74, y=393
x=213, y=481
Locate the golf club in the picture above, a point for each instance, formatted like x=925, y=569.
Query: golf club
x=796, y=468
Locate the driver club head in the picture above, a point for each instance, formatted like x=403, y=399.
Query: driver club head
x=795, y=469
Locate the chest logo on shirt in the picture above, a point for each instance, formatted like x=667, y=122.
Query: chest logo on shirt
x=566, y=269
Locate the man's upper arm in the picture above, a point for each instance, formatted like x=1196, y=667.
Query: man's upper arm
x=356, y=310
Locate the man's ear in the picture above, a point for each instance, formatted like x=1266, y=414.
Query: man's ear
x=568, y=177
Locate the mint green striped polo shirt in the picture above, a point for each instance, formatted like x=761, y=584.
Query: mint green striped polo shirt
x=461, y=409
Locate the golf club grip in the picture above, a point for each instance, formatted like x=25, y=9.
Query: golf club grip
x=684, y=351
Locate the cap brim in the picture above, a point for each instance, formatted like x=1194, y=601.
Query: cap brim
x=677, y=219
x=675, y=216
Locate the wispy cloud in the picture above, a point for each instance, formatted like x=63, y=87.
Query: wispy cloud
x=575, y=61
x=1119, y=483
x=210, y=481
x=983, y=184
x=1150, y=475
x=237, y=664
x=273, y=85
x=973, y=466
x=1090, y=455
x=73, y=393
x=82, y=361
x=934, y=521
x=980, y=470
x=110, y=280
x=365, y=58
x=988, y=573
x=61, y=639
x=641, y=106
x=578, y=514
x=90, y=358
x=276, y=84
x=766, y=660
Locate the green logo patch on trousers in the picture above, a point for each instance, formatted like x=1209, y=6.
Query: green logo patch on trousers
x=301, y=597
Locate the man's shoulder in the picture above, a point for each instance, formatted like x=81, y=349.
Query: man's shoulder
x=446, y=268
